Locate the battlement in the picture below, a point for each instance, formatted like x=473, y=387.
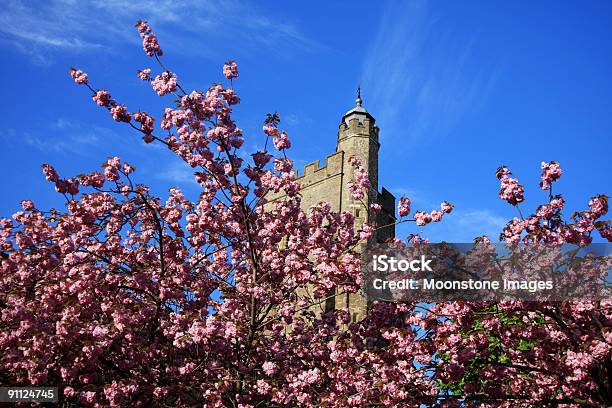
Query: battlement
x=314, y=172
x=358, y=125
x=356, y=121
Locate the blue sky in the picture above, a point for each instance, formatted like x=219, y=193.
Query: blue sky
x=457, y=90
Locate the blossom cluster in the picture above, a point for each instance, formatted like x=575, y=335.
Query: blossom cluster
x=164, y=83
x=102, y=97
x=144, y=74
x=546, y=225
x=550, y=353
x=230, y=69
x=149, y=39
x=360, y=184
x=79, y=76
x=147, y=124
x=279, y=138
x=550, y=172
x=403, y=207
x=120, y=113
x=422, y=217
x=510, y=189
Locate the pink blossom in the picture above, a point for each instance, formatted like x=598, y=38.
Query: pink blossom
x=367, y=231
x=79, y=76
x=605, y=230
x=545, y=211
x=360, y=183
x=417, y=239
x=120, y=113
x=512, y=231
x=550, y=172
x=283, y=165
x=230, y=96
x=144, y=74
x=557, y=202
x=446, y=207
x=227, y=299
x=127, y=168
x=164, y=83
x=269, y=368
x=102, y=98
x=355, y=161
x=598, y=206
x=403, y=207
x=510, y=190
x=50, y=173
x=149, y=39
x=422, y=218
x=147, y=123
x=436, y=216
x=261, y=158
x=270, y=130
x=88, y=397
x=375, y=207
x=282, y=141
x=355, y=190
x=27, y=205
x=230, y=69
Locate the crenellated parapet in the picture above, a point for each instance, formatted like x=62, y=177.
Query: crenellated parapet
x=358, y=124
x=320, y=182
x=313, y=172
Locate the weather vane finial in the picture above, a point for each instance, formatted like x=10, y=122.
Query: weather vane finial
x=358, y=100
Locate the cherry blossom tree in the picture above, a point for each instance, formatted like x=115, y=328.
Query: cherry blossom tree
x=127, y=299
x=124, y=298
x=518, y=353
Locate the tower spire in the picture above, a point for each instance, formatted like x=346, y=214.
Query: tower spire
x=358, y=109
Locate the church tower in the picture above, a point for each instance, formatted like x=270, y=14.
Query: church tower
x=357, y=136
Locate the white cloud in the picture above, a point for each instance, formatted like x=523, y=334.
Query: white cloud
x=63, y=124
x=41, y=29
x=293, y=119
x=177, y=172
x=414, y=74
x=70, y=144
x=410, y=193
x=479, y=222
x=461, y=226
x=62, y=136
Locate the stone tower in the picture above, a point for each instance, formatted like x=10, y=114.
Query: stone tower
x=357, y=136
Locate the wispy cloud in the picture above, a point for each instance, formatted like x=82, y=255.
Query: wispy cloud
x=415, y=73
x=472, y=223
x=406, y=192
x=460, y=226
x=45, y=27
x=61, y=136
x=294, y=120
x=177, y=172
